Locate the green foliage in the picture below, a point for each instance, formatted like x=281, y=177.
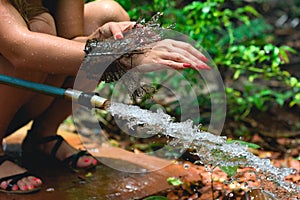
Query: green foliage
x=174, y=181
x=230, y=171
x=156, y=198
x=248, y=144
x=240, y=44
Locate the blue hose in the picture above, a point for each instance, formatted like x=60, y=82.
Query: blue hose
x=37, y=87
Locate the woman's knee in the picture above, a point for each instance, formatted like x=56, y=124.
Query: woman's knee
x=100, y=12
x=43, y=23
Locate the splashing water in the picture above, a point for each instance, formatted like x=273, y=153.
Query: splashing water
x=211, y=149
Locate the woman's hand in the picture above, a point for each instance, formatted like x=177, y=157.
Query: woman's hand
x=114, y=29
x=170, y=53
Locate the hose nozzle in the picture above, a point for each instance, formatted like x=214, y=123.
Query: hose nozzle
x=90, y=100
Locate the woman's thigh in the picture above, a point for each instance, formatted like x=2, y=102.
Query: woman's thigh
x=20, y=105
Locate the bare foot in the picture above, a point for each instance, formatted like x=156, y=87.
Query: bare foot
x=26, y=184
x=59, y=148
x=65, y=150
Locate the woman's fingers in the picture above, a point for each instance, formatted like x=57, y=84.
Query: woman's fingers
x=160, y=58
x=189, y=48
x=183, y=54
x=125, y=26
x=181, y=62
x=116, y=29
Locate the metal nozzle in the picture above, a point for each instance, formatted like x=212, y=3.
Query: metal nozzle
x=100, y=102
x=91, y=100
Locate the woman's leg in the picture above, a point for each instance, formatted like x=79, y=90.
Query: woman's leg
x=12, y=99
x=97, y=13
x=48, y=120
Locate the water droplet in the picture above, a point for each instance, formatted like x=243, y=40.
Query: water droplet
x=231, y=195
x=50, y=189
x=186, y=166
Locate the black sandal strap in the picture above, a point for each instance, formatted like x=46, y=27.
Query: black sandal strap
x=4, y=158
x=59, y=140
x=72, y=160
x=14, y=178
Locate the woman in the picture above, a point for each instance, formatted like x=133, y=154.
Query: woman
x=43, y=41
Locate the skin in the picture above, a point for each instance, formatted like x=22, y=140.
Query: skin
x=51, y=53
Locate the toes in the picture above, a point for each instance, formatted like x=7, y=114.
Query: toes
x=22, y=184
x=37, y=181
x=3, y=185
x=95, y=161
x=31, y=182
x=27, y=183
x=86, y=161
x=15, y=188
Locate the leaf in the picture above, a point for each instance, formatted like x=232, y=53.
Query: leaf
x=174, y=181
x=156, y=198
x=266, y=92
x=236, y=74
x=268, y=48
x=250, y=145
x=258, y=101
x=287, y=48
x=229, y=170
x=280, y=101
x=293, y=81
x=296, y=100
x=282, y=97
x=206, y=9
x=89, y=174
x=284, y=55
x=252, y=10
x=247, y=32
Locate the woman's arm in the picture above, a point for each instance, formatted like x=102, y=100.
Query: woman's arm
x=36, y=51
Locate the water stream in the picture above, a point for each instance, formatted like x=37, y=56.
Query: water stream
x=211, y=149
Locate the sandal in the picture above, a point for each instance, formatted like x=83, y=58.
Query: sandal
x=14, y=180
x=70, y=161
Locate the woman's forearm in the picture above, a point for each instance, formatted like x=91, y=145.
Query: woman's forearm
x=46, y=53
x=36, y=51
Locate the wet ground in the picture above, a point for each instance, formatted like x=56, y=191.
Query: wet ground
x=104, y=182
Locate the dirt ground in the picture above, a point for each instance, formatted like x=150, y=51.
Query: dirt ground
x=105, y=182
